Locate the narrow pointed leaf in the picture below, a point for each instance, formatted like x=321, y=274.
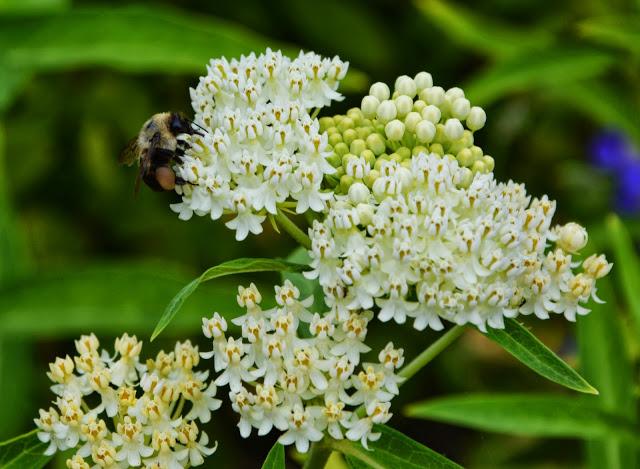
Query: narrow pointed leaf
x=627, y=264
x=527, y=414
x=526, y=347
x=237, y=266
x=617, y=31
x=23, y=452
x=392, y=451
x=275, y=458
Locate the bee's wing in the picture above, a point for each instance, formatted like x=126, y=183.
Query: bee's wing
x=130, y=153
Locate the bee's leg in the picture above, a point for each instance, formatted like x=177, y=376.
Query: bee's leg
x=180, y=181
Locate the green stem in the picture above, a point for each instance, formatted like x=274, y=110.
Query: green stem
x=318, y=456
x=430, y=352
x=293, y=230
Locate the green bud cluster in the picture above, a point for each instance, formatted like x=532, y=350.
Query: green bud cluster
x=417, y=117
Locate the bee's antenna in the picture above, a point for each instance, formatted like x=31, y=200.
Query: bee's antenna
x=199, y=126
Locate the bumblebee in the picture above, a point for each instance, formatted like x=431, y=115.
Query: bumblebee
x=156, y=149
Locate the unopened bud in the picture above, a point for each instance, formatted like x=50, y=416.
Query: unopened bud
x=453, y=129
x=431, y=113
x=476, y=118
x=572, y=237
x=433, y=95
x=423, y=80
x=394, y=130
x=404, y=104
x=359, y=193
x=386, y=111
x=370, y=106
x=596, y=266
x=380, y=91
x=460, y=108
x=405, y=86
x=425, y=131
x=412, y=120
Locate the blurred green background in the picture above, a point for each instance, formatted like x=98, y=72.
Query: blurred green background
x=79, y=253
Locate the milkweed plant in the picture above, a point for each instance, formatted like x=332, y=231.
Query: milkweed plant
x=405, y=222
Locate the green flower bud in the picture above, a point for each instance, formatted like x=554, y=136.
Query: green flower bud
x=465, y=157
x=370, y=178
x=341, y=149
x=419, y=105
x=380, y=91
x=425, y=131
x=358, y=193
x=453, y=129
x=349, y=136
x=355, y=114
x=369, y=106
x=476, y=118
x=339, y=172
x=433, y=95
x=419, y=149
x=345, y=182
x=479, y=167
x=378, y=164
x=431, y=113
x=366, y=123
x=376, y=144
x=332, y=130
x=337, y=119
x=406, y=164
x=466, y=178
x=454, y=93
x=334, y=160
x=386, y=111
x=334, y=139
x=395, y=157
x=325, y=123
x=394, y=130
x=364, y=132
x=436, y=148
x=423, y=80
x=357, y=146
x=379, y=127
x=365, y=213
x=404, y=104
x=460, y=108
x=369, y=157
x=412, y=120
x=406, y=86
x=345, y=124
x=489, y=162
x=477, y=152
x=404, y=152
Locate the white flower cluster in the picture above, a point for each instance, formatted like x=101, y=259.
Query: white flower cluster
x=119, y=412
x=258, y=146
x=421, y=244
x=296, y=371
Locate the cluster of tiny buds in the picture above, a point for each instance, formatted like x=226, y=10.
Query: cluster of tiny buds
x=257, y=146
x=116, y=411
x=297, y=372
x=415, y=118
x=423, y=245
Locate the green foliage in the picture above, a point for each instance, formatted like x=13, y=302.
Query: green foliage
x=537, y=70
x=236, y=266
x=275, y=458
x=482, y=33
x=627, y=264
x=615, y=30
x=23, y=452
x=392, y=451
x=606, y=362
x=108, y=298
x=526, y=347
x=528, y=414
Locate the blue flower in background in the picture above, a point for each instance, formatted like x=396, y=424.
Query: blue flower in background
x=613, y=152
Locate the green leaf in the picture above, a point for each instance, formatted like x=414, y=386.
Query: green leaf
x=105, y=298
x=275, y=458
x=627, y=264
x=307, y=287
x=392, y=451
x=481, y=33
x=607, y=364
x=23, y=452
x=127, y=38
x=537, y=70
x=604, y=103
x=237, y=266
x=526, y=347
x=527, y=414
x=618, y=31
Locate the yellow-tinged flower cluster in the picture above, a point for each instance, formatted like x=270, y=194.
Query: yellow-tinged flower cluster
x=117, y=411
x=298, y=372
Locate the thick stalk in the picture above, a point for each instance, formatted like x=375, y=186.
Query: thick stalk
x=293, y=230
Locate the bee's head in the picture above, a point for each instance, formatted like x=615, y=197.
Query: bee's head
x=178, y=124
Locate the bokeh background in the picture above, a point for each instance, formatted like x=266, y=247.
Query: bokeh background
x=560, y=82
